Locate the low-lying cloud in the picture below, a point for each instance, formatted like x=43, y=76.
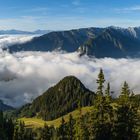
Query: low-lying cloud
x=6, y=40
x=26, y=75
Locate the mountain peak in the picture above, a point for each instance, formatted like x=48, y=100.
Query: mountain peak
x=59, y=100
x=70, y=80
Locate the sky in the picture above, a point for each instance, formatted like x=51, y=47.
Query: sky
x=68, y=14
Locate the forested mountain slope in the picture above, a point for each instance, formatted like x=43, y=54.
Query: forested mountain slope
x=58, y=100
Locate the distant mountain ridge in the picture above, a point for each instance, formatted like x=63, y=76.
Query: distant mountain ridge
x=4, y=107
x=68, y=41
x=115, y=42
x=112, y=42
x=13, y=31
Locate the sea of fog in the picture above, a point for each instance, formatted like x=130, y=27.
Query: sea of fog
x=25, y=75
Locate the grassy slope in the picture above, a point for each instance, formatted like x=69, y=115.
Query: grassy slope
x=36, y=123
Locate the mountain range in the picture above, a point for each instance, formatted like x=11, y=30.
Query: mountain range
x=18, y=32
x=112, y=42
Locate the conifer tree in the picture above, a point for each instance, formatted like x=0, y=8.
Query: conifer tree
x=16, y=134
x=71, y=131
x=127, y=116
x=45, y=133
x=2, y=130
x=9, y=128
x=107, y=104
x=63, y=130
x=107, y=93
x=99, y=100
x=21, y=130
x=125, y=94
x=29, y=135
x=100, y=120
x=100, y=81
x=79, y=125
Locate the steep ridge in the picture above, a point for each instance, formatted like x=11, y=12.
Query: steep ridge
x=68, y=41
x=58, y=100
x=115, y=43
x=112, y=42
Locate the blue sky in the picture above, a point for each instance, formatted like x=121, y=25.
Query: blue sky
x=68, y=14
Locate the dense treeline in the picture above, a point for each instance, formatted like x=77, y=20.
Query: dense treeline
x=6, y=127
x=109, y=119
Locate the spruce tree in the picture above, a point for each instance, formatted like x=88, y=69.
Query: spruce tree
x=125, y=94
x=21, y=130
x=63, y=130
x=100, y=120
x=29, y=134
x=9, y=128
x=16, y=134
x=79, y=125
x=128, y=120
x=100, y=81
x=71, y=131
x=108, y=94
x=2, y=129
x=99, y=100
x=45, y=133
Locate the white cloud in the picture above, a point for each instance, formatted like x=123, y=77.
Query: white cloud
x=37, y=9
x=32, y=73
x=128, y=9
x=5, y=40
x=76, y=2
x=25, y=75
